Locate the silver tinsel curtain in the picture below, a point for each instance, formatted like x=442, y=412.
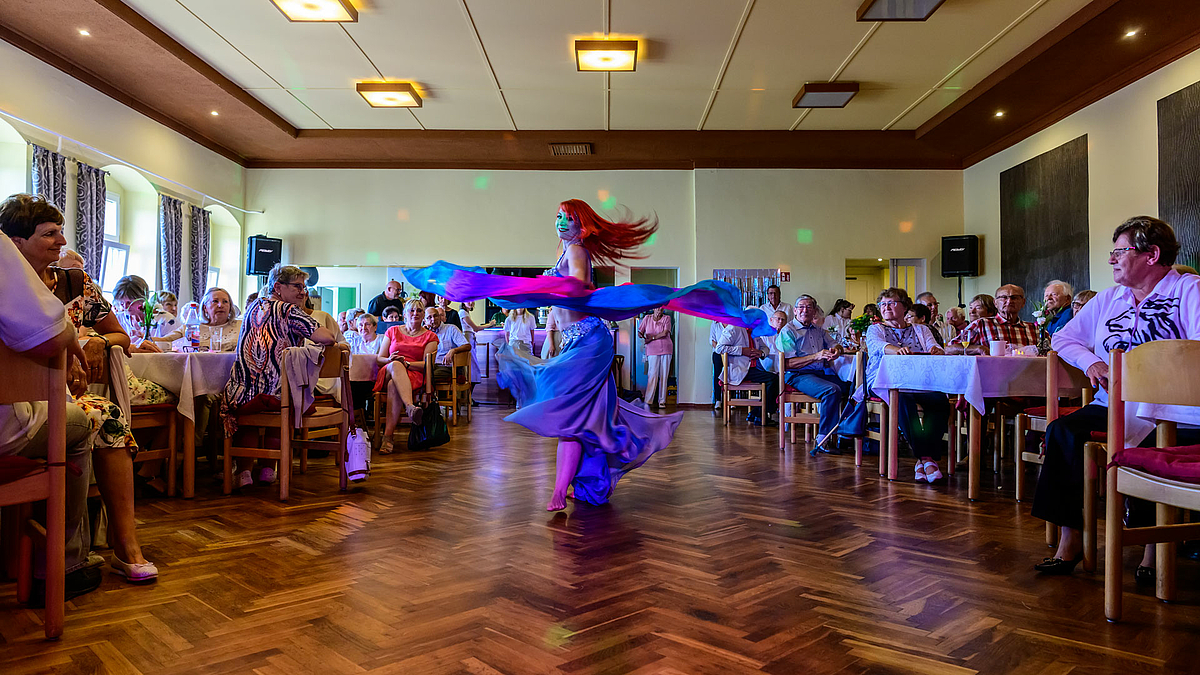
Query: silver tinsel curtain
x=170, y=233
x=200, y=247
x=50, y=176
x=89, y=218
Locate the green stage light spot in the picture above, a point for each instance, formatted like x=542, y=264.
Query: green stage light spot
x=804, y=236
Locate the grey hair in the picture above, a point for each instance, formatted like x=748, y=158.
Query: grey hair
x=284, y=274
x=1063, y=286
x=131, y=287
x=208, y=296
x=957, y=311
x=808, y=298
x=353, y=314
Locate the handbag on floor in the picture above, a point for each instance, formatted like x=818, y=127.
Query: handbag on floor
x=358, y=455
x=432, y=430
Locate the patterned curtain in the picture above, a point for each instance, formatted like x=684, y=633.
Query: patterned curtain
x=89, y=218
x=50, y=176
x=170, y=234
x=200, y=250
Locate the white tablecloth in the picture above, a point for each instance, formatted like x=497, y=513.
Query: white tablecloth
x=185, y=375
x=975, y=377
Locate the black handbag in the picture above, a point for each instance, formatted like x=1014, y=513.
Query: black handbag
x=432, y=430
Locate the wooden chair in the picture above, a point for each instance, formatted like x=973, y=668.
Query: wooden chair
x=324, y=414
x=804, y=410
x=458, y=390
x=380, y=403
x=26, y=379
x=729, y=401
x=875, y=407
x=1157, y=373
x=162, y=416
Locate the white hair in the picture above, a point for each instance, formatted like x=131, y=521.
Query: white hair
x=1062, y=285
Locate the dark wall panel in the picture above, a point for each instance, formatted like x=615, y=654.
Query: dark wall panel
x=1179, y=168
x=1044, y=221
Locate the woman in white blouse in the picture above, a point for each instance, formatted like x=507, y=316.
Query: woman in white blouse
x=219, y=320
x=363, y=339
x=839, y=316
x=469, y=328
x=519, y=327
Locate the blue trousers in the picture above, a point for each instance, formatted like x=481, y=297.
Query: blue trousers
x=924, y=439
x=827, y=388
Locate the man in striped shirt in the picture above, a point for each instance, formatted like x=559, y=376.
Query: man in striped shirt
x=1007, y=324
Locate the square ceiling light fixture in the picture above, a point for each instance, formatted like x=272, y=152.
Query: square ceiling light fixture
x=317, y=10
x=606, y=55
x=825, y=94
x=389, y=94
x=897, y=10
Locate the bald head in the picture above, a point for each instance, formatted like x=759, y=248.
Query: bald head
x=1010, y=300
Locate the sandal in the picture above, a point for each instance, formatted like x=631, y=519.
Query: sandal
x=919, y=474
x=386, y=447
x=935, y=474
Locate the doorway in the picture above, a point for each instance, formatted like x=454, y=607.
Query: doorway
x=909, y=274
x=865, y=278
x=629, y=343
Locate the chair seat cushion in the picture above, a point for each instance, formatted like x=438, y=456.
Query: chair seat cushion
x=1040, y=411
x=1098, y=436
x=1180, y=463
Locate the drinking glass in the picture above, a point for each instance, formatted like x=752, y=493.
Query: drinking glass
x=216, y=338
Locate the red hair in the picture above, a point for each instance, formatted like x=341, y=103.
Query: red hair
x=606, y=240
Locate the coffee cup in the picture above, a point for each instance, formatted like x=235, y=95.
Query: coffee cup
x=997, y=348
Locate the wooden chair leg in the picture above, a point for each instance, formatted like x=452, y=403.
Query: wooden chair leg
x=1020, y=426
x=1164, y=554
x=341, y=456
x=24, y=554
x=858, y=448
x=285, y=460
x=228, y=468
x=172, y=450
x=1113, y=547
x=1051, y=534
x=304, y=451
x=1089, y=507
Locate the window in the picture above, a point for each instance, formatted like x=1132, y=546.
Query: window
x=112, y=217
x=114, y=265
x=214, y=273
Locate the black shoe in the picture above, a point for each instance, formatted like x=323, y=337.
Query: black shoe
x=80, y=582
x=1058, y=566
x=1144, y=576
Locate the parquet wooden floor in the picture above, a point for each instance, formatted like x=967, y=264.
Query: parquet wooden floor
x=721, y=555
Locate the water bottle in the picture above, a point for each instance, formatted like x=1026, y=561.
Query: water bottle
x=193, y=336
x=191, y=320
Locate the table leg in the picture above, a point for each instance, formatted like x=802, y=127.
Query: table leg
x=893, y=441
x=189, y=457
x=974, y=433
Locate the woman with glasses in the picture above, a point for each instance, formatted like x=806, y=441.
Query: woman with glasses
x=1081, y=299
x=273, y=322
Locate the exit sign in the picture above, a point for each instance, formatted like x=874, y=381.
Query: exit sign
x=785, y=276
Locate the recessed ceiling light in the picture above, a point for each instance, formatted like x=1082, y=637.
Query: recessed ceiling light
x=825, y=94
x=214, y=113
x=84, y=32
x=897, y=10
x=606, y=55
x=389, y=94
x=317, y=10
x=1132, y=33
x=879, y=260
x=758, y=89
x=999, y=113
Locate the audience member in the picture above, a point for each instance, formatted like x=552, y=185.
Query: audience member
x=352, y=319
x=1081, y=299
x=715, y=331
x=937, y=325
x=550, y=345
x=218, y=315
x=130, y=293
x=33, y=322
x=35, y=227
x=919, y=315
x=470, y=328
x=743, y=367
x=391, y=315
x=170, y=303
x=655, y=331
x=341, y=322
x=872, y=310
x=774, y=302
x=449, y=316
x=807, y=350
x=451, y=341
x=271, y=323
x=402, y=359
x=1151, y=301
x=894, y=335
x=364, y=339
x=1006, y=325
x=1056, y=307
x=392, y=296
x=519, y=327
x=839, y=317
x=956, y=321
x=70, y=259
x=324, y=318
x=768, y=344
x=981, y=306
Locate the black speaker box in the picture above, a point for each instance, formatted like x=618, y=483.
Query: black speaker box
x=960, y=256
x=262, y=253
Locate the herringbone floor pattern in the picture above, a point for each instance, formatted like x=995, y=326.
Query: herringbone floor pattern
x=721, y=555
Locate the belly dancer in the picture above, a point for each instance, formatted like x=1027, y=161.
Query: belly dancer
x=573, y=397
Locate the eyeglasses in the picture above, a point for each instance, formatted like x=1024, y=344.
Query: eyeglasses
x=1118, y=251
x=297, y=285
x=1010, y=297
x=1076, y=305
x=887, y=303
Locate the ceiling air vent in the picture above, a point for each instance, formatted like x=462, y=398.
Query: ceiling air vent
x=560, y=149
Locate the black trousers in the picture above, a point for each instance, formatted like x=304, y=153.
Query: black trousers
x=716, y=378
x=1059, y=496
x=756, y=374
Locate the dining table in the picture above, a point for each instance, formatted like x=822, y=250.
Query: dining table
x=976, y=379
x=192, y=374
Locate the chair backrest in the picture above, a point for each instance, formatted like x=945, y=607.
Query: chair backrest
x=337, y=360
x=462, y=360
x=28, y=379
x=1161, y=372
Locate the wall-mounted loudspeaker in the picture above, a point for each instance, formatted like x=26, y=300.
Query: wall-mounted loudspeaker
x=960, y=256
x=262, y=253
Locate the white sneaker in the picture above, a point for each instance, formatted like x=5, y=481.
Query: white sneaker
x=266, y=475
x=244, y=479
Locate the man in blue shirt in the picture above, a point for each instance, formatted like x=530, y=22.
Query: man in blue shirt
x=1057, y=297
x=806, y=350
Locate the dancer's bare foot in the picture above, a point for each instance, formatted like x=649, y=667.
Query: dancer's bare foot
x=557, y=502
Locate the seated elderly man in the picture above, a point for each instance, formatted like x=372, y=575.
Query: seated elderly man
x=744, y=367
x=936, y=323
x=1056, y=309
x=807, y=349
x=1007, y=324
x=451, y=341
x=1151, y=301
x=956, y=321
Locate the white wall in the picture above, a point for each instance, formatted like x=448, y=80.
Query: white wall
x=1122, y=132
x=707, y=219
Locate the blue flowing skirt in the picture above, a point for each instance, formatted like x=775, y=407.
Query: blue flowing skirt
x=573, y=396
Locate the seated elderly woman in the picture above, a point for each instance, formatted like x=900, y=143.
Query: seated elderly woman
x=1056, y=307
x=981, y=306
x=401, y=357
x=35, y=226
x=919, y=315
x=272, y=323
x=1081, y=299
x=896, y=336
x=131, y=292
x=218, y=317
